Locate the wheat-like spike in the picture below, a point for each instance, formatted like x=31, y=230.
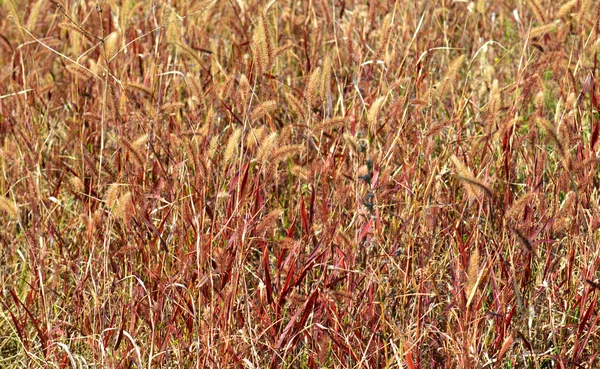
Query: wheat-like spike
x=506, y=125
x=243, y=93
x=110, y=101
x=584, y=10
x=128, y=11
x=436, y=129
x=138, y=87
x=473, y=186
x=312, y=87
x=254, y=137
x=455, y=65
x=348, y=32
x=111, y=195
x=350, y=142
x=9, y=207
x=140, y=142
x=260, y=54
x=233, y=144
x=330, y=123
x=287, y=243
x=494, y=103
x=284, y=152
x=266, y=146
x=270, y=170
x=542, y=30
x=173, y=33
x=473, y=183
x=111, y=45
x=190, y=146
x=354, y=53
x=172, y=106
x=123, y=13
x=194, y=86
x=191, y=152
x=472, y=275
x=296, y=106
x=384, y=38
x=149, y=107
x=212, y=146
x=536, y=9
x=568, y=202
x=553, y=138
x=566, y=212
x=191, y=52
x=517, y=207
x=95, y=68
x=124, y=207
x=32, y=20
x=282, y=49
x=524, y=240
x=263, y=109
x=76, y=43
x=210, y=116
x=9, y=150
x=226, y=87
x=68, y=26
x=565, y=9
x=326, y=78
x=134, y=152
x=76, y=184
x=325, y=10
x=82, y=73
x=269, y=44
x=255, y=47
x=299, y=171
x=374, y=109
x=571, y=104
x=449, y=77
x=123, y=103
x=267, y=223
x=285, y=134
x=14, y=14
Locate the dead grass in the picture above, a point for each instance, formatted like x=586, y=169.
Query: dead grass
x=408, y=184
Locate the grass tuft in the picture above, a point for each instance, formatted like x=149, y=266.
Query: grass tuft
x=299, y=184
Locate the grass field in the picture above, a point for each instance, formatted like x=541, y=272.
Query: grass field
x=299, y=184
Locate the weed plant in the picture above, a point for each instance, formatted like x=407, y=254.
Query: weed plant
x=302, y=184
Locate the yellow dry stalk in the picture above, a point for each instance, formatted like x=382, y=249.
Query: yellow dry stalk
x=473, y=186
x=442, y=86
x=9, y=207
x=111, y=45
x=233, y=144
x=374, y=110
x=312, y=87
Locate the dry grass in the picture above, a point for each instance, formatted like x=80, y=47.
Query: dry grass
x=306, y=184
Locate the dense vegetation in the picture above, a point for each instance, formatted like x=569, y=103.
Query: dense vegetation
x=325, y=183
